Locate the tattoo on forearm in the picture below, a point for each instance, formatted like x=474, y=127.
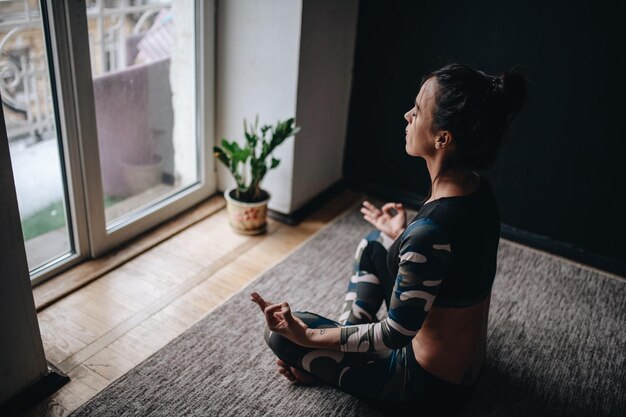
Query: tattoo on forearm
x=321, y=331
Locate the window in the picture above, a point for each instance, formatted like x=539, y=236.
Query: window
x=105, y=106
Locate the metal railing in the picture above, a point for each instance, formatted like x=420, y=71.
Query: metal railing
x=24, y=76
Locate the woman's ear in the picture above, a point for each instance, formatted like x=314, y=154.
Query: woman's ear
x=444, y=139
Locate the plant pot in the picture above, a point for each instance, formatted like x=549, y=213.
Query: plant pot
x=246, y=218
x=141, y=177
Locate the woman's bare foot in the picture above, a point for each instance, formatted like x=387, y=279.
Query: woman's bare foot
x=294, y=375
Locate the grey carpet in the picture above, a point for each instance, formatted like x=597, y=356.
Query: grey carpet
x=556, y=343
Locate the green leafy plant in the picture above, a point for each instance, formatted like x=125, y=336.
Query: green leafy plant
x=248, y=163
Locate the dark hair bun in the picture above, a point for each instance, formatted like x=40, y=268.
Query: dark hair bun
x=513, y=89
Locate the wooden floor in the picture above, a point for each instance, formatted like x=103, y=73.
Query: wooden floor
x=101, y=331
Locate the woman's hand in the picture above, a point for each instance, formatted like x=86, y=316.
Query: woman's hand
x=388, y=223
x=280, y=320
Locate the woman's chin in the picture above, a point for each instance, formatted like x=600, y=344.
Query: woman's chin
x=409, y=151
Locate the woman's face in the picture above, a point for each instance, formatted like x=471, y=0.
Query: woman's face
x=420, y=140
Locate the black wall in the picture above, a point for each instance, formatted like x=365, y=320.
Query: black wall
x=560, y=177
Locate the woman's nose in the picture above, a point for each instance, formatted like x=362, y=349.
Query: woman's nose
x=407, y=116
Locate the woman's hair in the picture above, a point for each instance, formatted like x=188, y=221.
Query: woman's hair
x=476, y=108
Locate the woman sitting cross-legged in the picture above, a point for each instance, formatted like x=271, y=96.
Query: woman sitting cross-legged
x=434, y=275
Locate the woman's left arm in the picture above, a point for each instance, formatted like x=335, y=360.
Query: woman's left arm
x=425, y=256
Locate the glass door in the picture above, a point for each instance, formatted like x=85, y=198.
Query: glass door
x=38, y=143
x=147, y=90
x=143, y=63
x=109, y=118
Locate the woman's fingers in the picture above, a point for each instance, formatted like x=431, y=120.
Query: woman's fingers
x=373, y=214
x=368, y=204
x=270, y=310
x=375, y=211
x=284, y=312
x=389, y=206
x=371, y=220
x=370, y=217
x=260, y=301
x=288, y=317
x=277, y=316
x=286, y=309
x=369, y=212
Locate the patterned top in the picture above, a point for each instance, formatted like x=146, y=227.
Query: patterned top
x=446, y=257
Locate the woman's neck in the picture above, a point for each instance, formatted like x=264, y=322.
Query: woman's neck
x=453, y=183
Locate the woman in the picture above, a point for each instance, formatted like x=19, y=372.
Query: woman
x=434, y=275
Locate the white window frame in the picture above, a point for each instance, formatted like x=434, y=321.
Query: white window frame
x=71, y=79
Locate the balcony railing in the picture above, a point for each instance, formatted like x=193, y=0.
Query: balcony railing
x=24, y=86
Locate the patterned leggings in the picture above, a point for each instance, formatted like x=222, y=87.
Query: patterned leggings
x=391, y=380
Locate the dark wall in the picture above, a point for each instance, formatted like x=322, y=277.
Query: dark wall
x=561, y=174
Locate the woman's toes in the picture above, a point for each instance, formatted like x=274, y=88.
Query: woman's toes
x=302, y=377
x=291, y=377
x=286, y=372
x=293, y=374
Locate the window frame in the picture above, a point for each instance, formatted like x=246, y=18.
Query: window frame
x=67, y=44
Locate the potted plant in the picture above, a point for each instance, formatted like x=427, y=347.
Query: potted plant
x=247, y=201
